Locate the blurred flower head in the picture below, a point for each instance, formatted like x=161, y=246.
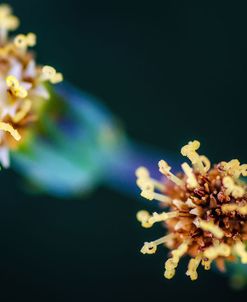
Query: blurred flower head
x=207, y=211
x=22, y=84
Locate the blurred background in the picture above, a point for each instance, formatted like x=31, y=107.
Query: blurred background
x=171, y=73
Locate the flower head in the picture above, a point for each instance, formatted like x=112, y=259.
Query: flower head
x=22, y=84
x=207, y=211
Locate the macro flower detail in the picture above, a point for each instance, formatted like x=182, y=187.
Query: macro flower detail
x=22, y=85
x=207, y=211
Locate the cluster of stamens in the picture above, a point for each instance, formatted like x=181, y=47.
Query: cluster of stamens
x=207, y=211
x=22, y=84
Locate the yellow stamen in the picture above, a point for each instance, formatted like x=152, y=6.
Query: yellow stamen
x=234, y=168
x=8, y=128
x=7, y=21
x=143, y=217
x=155, y=196
x=15, y=87
x=189, y=150
x=162, y=217
x=142, y=174
x=49, y=73
x=231, y=188
x=151, y=247
x=206, y=162
x=239, y=249
x=25, y=108
x=164, y=168
x=22, y=42
x=217, y=250
x=227, y=208
x=211, y=227
x=191, y=179
x=192, y=267
x=206, y=263
x=172, y=263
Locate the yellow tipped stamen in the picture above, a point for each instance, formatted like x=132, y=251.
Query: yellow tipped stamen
x=162, y=217
x=181, y=250
x=155, y=196
x=8, y=128
x=231, y=188
x=192, y=267
x=211, y=227
x=57, y=78
x=15, y=87
x=191, y=179
x=49, y=74
x=7, y=21
x=145, y=184
x=206, y=162
x=239, y=249
x=22, y=42
x=215, y=251
x=151, y=247
x=143, y=217
x=206, y=263
x=227, y=208
x=234, y=169
x=164, y=168
x=172, y=263
x=142, y=174
x=149, y=184
x=189, y=151
x=25, y=108
x=31, y=39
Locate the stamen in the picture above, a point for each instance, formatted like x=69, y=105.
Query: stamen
x=155, y=196
x=143, y=183
x=239, y=249
x=25, y=108
x=143, y=217
x=7, y=21
x=164, y=168
x=49, y=73
x=234, y=168
x=211, y=227
x=142, y=172
x=8, y=128
x=192, y=267
x=206, y=263
x=172, y=263
x=15, y=87
x=217, y=250
x=231, y=188
x=162, y=217
x=22, y=42
x=189, y=150
x=206, y=162
x=151, y=247
x=191, y=179
x=227, y=208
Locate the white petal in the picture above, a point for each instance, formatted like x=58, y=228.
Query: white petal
x=16, y=70
x=30, y=71
x=4, y=157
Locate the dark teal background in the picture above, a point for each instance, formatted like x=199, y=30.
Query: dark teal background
x=171, y=73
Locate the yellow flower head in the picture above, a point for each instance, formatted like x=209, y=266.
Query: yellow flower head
x=207, y=211
x=21, y=84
